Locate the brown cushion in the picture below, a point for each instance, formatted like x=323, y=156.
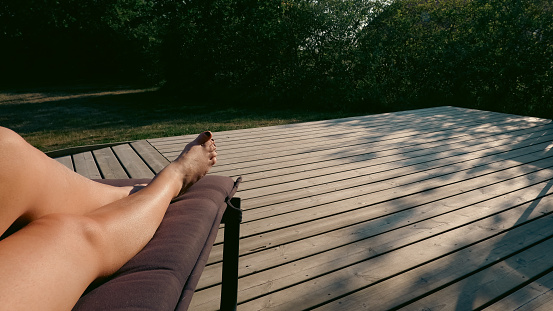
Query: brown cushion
x=165, y=273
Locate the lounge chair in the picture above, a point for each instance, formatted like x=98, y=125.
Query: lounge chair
x=163, y=276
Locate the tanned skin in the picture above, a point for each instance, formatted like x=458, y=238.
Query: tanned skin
x=75, y=230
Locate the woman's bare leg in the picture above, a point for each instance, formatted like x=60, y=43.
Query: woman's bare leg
x=50, y=262
x=33, y=185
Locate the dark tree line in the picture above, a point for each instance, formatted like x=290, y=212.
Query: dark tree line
x=371, y=55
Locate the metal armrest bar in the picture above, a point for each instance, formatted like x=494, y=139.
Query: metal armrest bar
x=229, y=287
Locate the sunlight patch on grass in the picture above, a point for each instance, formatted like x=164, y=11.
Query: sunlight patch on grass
x=59, y=139
x=63, y=119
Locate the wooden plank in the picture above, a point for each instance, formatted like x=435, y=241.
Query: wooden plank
x=280, y=274
x=283, y=133
x=264, y=169
x=342, y=149
x=410, y=147
x=150, y=155
x=299, y=129
x=323, y=140
x=437, y=132
x=348, y=200
x=388, y=189
x=411, y=271
x=481, y=288
x=132, y=163
x=502, y=194
x=291, y=230
x=278, y=267
x=86, y=166
x=66, y=161
x=536, y=296
x=305, y=230
x=109, y=165
x=287, y=137
x=272, y=130
x=78, y=149
x=352, y=174
x=354, y=133
x=259, y=261
x=396, y=159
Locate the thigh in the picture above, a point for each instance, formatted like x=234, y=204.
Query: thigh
x=33, y=185
x=47, y=265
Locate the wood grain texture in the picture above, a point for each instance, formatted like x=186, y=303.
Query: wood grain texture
x=442, y=208
x=109, y=165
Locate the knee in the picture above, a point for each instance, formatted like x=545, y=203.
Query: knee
x=79, y=236
x=16, y=156
x=10, y=137
x=12, y=146
x=71, y=225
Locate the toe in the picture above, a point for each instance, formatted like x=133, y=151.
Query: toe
x=204, y=137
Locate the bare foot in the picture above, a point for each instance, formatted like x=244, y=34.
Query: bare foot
x=196, y=160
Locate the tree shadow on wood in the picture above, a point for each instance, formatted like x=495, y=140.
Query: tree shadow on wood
x=521, y=156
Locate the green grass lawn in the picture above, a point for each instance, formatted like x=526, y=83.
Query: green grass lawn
x=60, y=117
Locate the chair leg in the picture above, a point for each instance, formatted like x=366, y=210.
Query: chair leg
x=229, y=287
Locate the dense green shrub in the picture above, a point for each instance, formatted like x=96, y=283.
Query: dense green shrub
x=371, y=55
x=64, y=40
x=494, y=55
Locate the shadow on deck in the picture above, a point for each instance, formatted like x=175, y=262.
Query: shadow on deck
x=436, y=209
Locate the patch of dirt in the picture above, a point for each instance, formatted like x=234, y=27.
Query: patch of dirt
x=51, y=94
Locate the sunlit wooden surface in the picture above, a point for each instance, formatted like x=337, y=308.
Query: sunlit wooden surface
x=434, y=209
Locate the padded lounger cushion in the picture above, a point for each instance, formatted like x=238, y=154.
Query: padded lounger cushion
x=164, y=274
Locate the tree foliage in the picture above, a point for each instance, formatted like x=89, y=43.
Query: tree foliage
x=339, y=54
x=485, y=54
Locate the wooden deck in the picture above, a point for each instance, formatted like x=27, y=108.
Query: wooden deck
x=433, y=209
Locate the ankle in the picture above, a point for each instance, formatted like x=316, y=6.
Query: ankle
x=171, y=177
